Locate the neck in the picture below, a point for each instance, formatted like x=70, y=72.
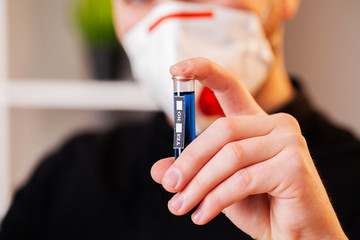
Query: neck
x=277, y=90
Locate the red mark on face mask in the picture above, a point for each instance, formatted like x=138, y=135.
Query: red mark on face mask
x=182, y=15
x=209, y=104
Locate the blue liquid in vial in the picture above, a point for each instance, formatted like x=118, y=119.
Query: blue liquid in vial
x=189, y=119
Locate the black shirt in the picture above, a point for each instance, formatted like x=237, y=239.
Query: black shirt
x=98, y=186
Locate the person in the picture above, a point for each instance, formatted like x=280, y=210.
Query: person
x=259, y=163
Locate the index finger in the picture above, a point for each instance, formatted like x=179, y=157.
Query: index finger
x=233, y=97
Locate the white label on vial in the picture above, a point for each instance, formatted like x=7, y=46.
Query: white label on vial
x=178, y=128
x=179, y=122
x=179, y=105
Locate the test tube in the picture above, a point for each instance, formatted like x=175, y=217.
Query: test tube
x=184, y=112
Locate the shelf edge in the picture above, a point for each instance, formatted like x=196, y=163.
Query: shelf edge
x=84, y=95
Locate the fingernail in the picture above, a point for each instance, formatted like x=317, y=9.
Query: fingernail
x=196, y=216
x=177, y=202
x=181, y=66
x=171, y=179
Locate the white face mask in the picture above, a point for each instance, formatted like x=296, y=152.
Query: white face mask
x=176, y=31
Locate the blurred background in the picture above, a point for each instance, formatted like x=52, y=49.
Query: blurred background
x=52, y=85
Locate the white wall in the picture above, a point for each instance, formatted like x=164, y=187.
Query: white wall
x=43, y=40
x=4, y=164
x=43, y=44
x=323, y=48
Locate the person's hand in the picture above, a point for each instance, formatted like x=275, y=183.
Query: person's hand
x=253, y=167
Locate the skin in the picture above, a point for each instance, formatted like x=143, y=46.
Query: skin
x=253, y=166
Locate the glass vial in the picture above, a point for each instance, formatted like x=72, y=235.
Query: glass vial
x=184, y=112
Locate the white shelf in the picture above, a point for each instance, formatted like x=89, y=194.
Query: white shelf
x=84, y=94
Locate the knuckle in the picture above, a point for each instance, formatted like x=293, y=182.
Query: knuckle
x=295, y=160
x=189, y=156
x=197, y=183
x=204, y=60
x=243, y=178
x=295, y=138
x=225, y=126
x=234, y=151
x=212, y=200
x=285, y=119
x=198, y=186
